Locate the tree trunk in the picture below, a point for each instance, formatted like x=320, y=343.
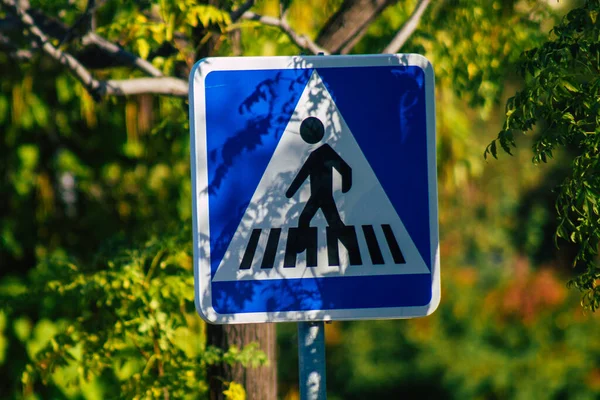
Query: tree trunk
x=260, y=383
x=349, y=24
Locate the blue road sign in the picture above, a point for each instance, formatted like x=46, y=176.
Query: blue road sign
x=314, y=188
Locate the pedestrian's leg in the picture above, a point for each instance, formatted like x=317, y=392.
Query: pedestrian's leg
x=310, y=209
x=331, y=214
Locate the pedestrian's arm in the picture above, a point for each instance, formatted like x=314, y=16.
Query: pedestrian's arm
x=297, y=182
x=346, y=173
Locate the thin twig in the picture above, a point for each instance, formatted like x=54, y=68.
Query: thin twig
x=83, y=18
x=407, y=29
x=153, y=265
x=237, y=13
x=300, y=40
x=137, y=346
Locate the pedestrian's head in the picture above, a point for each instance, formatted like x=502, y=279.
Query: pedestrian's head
x=312, y=130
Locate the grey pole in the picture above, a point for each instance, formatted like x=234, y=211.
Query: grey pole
x=311, y=360
x=311, y=357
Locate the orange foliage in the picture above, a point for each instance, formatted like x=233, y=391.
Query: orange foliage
x=593, y=379
x=530, y=293
x=466, y=277
x=333, y=334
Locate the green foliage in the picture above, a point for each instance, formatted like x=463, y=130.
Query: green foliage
x=561, y=92
x=147, y=26
x=95, y=251
x=94, y=193
x=235, y=391
x=130, y=315
x=471, y=44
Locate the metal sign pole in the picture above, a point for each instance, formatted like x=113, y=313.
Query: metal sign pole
x=311, y=360
x=311, y=357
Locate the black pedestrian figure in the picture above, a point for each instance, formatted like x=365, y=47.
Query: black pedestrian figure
x=319, y=168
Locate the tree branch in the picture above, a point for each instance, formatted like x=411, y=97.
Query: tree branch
x=237, y=13
x=121, y=54
x=300, y=40
x=407, y=29
x=111, y=54
x=49, y=25
x=165, y=86
x=64, y=58
x=97, y=88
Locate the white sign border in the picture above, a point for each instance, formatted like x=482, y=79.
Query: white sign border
x=200, y=214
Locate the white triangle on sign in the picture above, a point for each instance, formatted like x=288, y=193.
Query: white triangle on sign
x=366, y=203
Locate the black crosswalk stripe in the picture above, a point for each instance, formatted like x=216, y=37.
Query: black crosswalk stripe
x=271, y=250
x=250, y=249
x=373, y=245
x=305, y=240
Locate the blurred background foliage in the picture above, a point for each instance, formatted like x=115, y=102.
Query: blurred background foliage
x=95, y=262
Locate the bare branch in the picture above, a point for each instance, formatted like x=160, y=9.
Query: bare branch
x=300, y=40
x=407, y=29
x=167, y=86
x=121, y=54
x=64, y=58
x=49, y=25
x=109, y=51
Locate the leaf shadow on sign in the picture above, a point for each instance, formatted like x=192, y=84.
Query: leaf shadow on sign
x=266, y=114
x=265, y=117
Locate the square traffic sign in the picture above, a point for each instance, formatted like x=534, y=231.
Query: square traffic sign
x=314, y=188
